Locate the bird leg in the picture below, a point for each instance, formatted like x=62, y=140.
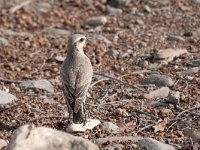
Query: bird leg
x=85, y=116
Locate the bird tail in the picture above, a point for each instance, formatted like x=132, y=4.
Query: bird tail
x=78, y=117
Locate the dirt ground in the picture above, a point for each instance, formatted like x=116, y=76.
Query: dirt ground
x=135, y=34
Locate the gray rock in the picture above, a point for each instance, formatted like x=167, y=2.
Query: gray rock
x=151, y=144
x=175, y=38
x=87, y=2
x=4, y=42
x=29, y=137
x=192, y=133
x=190, y=71
x=96, y=21
x=196, y=63
x=42, y=84
x=113, y=53
x=140, y=22
x=147, y=8
x=159, y=93
x=159, y=80
x=6, y=97
x=174, y=97
x=112, y=10
x=118, y=146
x=119, y=3
x=196, y=1
x=102, y=38
x=109, y=126
x=56, y=32
x=108, y=148
x=13, y=33
x=44, y=7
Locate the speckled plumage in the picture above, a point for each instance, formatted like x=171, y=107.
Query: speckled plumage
x=76, y=75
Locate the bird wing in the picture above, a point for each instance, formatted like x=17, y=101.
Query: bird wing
x=80, y=92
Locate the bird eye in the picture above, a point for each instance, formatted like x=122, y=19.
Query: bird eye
x=82, y=39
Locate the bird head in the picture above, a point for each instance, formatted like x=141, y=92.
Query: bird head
x=76, y=42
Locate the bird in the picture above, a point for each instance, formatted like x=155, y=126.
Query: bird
x=76, y=76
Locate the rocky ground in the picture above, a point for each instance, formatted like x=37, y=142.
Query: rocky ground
x=146, y=58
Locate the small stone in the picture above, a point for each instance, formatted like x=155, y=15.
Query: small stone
x=190, y=71
x=96, y=21
x=159, y=93
x=42, y=84
x=112, y=10
x=168, y=54
x=90, y=124
x=180, y=134
x=13, y=33
x=118, y=3
x=60, y=58
x=44, y=7
x=159, y=80
x=193, y=133
x=109, y=126
x=118, y=147
x=56, y=32
x=113, y=53
x=102, y=38
x=151, y=144
x=196, y=1
x=196, y=63
x=4, y=42
x=147, y=8
x=174, y=97
x=140, y=22
x=6, y=97
x=175, y=38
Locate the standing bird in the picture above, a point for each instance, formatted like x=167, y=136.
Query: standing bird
x=76, y=75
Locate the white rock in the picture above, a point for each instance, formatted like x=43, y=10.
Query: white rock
x=151, y=144
x=159, y=93
x=60, y=58
x=159, y=80
x=96, y=21
x=42, y=84
x=56, y=32
x=112, y=10
x=4, y=42
x=29, y=137
x=90, y=124
x=6, y=97
x=3, y=144
x=147, y=8
x=168, y=54
x=109, y=126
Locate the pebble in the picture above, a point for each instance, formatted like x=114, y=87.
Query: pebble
x=159, y=93
x=96, y=21
x=4, y=42
x=196, y=63
x=42, y=84
x=147, y=8
x=166, y=112
x=56, y=32
x=60, y=58
x=168, y=54
x=174, y=97
x=192, y=133
x=175, y=38
x=190, y=71
x=90, y=124
x=6, y=97
x=44, y=7
x=13, y=33
x=159, y=80
x=140, y=22
x=119, y=3
x=102, y=38
x=109, y=126
x=151, y=144
x=113, y=53
x=112, y=10
x=196, y=1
